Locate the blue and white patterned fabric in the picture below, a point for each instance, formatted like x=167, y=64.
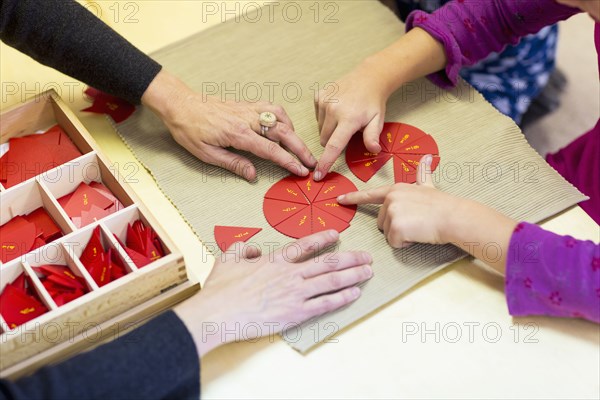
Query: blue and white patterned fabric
x=510, y=80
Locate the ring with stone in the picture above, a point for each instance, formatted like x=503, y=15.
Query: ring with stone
x=266, y=120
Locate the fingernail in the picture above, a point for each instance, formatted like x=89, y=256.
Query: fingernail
x=377, y=147
x=367, y=257
x=313, y=159
x=304, y=171
x=355, y=292
x=333, y=234
x=368, y=270
x=317, y=176
x=341, y=197
x=428, y=160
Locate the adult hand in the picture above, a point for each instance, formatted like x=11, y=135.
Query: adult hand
x=358, y=104
x=250, y=295
x=207, y=126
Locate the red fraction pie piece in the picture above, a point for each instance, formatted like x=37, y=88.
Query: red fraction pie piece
x=17, y=307
x=277, y=211
x=298, y=225
x=93, y=249
x=228, y=235
x=44, y=222
x=309, y=187
x=407, y=134
x=403, y=171
x=424, y=145
x=322, y=220
x=332, y=207
x=298, y=220
x=334, y=186
x=83, y=198
x=287, y=190
x=17, y=237
x=356, y=150
x=388, y=136
x=405, y=143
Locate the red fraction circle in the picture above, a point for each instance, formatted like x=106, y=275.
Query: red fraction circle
x=404, y=143
x=298, y=206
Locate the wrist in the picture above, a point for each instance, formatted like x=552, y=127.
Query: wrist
x=386, y=79
x=165, y=95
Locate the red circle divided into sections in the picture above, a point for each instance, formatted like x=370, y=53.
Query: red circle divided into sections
x=298, y=206
x=404, y=143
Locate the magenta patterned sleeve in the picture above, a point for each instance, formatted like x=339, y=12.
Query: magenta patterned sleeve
x=472, y=29
x=549, y=274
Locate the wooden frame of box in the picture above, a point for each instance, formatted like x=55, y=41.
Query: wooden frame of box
x=90, y=319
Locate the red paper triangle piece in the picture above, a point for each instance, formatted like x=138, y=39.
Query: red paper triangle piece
x=118, y=109
x=423, y=145
x=277, y=211
x=404, y=172
x=287, y=190
x=17, y=307
x=335, y=185
x=407, y=134
x=228, y=235
x=93, y=249
x=331, y=206
x=307, y=185
x=298, y=225
x=322, y=220
x=388, y=136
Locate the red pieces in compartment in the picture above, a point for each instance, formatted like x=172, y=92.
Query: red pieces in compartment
x=61, y=283
x=23, y=234
x=104, y=266
x=89, y=203
x=142, y=244
x=35, y=154
x=20, y=303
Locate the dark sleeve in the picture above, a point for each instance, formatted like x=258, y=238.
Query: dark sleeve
x=156, y=361
x=65, y=36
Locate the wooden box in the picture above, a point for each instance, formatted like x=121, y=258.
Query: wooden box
x=103, y=312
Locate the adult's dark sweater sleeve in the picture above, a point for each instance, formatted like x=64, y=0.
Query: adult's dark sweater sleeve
x=156, y=361
x=64, y=35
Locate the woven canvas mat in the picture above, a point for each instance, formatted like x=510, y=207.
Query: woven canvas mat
x=484, y=154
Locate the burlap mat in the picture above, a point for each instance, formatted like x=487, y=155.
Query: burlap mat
x=289, y=52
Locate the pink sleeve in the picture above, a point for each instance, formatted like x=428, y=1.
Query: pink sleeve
x=472, y=29
x=549, y=274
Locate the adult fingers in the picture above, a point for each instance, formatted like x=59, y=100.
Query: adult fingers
x=370, y=196
x=283, y=134
x=330, y=262
x=223, y=158
x=305, y=247
x=337, y=280
x=330, y=302
x=269, y=150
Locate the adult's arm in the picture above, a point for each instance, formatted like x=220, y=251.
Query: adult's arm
x=65, y=36
x=158, y=360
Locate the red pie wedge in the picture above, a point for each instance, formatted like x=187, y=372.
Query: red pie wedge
x=228, y=235
x=404, y=143
x=315, y=211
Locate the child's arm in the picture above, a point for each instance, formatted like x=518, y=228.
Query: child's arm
x=546, y=274
x=458, y=34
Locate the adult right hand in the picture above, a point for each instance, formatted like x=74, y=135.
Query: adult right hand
x=286, y=287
